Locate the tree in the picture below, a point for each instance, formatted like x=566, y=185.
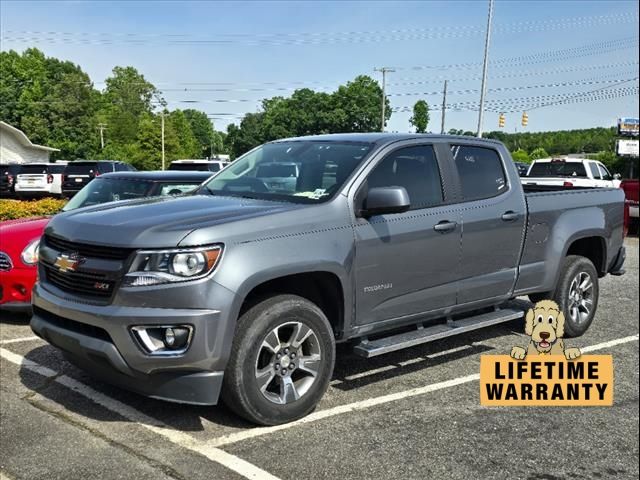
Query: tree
x=247, y=136
x=357, y=106
x=127, y=97
x=187, y=144
x=354, y=107
x=52, y=101
x=520, y=156
x=420, y=118
x=202, y=129
x=539, y=153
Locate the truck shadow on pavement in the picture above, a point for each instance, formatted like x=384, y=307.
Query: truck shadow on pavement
x=351, y=372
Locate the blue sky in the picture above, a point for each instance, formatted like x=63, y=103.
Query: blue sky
x=240, y=52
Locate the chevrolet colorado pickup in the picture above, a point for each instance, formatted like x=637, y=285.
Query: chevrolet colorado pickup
x=241, y=291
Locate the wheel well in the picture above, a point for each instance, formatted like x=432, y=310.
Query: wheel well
x=322, y=288
x=592, y=248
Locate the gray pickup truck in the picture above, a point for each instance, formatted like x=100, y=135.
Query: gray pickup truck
x=386, y=241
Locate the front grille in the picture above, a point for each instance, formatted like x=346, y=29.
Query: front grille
x=80, y=283
x=94, y=251
x=5, y=262
x=82, y=328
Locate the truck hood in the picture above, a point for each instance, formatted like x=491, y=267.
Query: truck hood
x=158, y=222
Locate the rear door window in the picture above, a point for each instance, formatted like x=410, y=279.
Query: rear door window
x=594, y=170
x=105, y=167
x=480, y=170
x=81, y=168
x=414, y=168
x=604, y=172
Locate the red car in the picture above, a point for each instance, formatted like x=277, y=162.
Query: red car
x=19, y=239
x=630, y=188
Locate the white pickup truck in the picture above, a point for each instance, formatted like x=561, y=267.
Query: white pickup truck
x=569, y=172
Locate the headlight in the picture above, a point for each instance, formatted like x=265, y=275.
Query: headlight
x=155, y=267
x=29, y=255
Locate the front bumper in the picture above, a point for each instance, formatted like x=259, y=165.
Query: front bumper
x=15, y=289
x=99, y=340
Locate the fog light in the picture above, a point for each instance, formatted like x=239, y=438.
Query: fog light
x=169, y=337
x=163, y=339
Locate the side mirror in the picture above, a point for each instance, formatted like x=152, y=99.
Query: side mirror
x=617, y=176
x=383, y=200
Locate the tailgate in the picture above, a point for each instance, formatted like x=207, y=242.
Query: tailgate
x=32, y=180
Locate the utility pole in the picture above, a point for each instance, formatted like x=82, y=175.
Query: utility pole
x=384, y=71
x=444, y=106
x=101, y=127
x=485, y=65
x=162, y=117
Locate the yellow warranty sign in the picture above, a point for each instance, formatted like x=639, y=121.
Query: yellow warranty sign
x=547, y=380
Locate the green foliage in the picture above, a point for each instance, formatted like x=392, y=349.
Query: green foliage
x=520, y=156
x=539, y=153
x=560, y=142
x=12, y=209
x=466, y=133
x=420, y=118
x=203, y=132
x=54, y=103
x=354, y=107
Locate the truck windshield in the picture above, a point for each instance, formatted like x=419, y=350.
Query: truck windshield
x=558, y=169
x=295, y=171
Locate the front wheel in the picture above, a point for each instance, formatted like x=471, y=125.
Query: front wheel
x=577, y=294
x=281, y=361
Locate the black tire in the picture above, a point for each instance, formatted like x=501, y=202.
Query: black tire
x=574, y=266
x=241, y=391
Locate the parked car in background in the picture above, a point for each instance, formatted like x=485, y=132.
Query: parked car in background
x=198, y=165
x=80, y=172
x=387, y=241
x=40, y=180
x=279, y=176
x=570, y=172
x=523, y=168
x=19, y=239
x=8, y=173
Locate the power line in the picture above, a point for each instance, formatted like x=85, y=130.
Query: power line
x=314, y=38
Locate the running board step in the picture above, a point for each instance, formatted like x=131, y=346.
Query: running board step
x=384, y=345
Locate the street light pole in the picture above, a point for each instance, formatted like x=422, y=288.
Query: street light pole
x=485, y=65
x=444, y=107
x=384, y=71
x=162, y=117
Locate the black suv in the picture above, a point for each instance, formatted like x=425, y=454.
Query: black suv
x=8, y=174
x=77, y=174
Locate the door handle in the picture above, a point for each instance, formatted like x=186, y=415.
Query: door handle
x=510, y=216
x=445, y=226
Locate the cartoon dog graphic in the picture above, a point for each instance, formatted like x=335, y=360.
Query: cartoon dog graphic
x=545, y=324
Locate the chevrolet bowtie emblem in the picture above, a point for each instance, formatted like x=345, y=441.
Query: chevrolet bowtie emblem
x=68, y=262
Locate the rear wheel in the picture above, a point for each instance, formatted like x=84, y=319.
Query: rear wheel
x=577, y=294
x=281, y=361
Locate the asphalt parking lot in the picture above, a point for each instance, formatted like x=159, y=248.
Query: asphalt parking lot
x=410, y=414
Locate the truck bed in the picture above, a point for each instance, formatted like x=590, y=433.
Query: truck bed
x=553, y=213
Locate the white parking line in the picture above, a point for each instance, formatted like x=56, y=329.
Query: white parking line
x=18, y=340
x=184, y=440
x=211, y=450
x=371, y=402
